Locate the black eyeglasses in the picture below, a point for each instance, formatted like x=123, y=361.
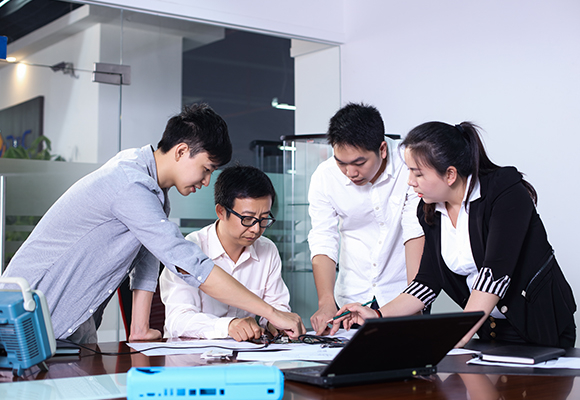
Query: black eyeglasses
x=248, y=221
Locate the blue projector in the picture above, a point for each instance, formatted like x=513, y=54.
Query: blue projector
x=227, y=382
x=26, y=335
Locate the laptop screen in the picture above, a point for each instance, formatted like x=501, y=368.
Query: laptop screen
x=402, y=342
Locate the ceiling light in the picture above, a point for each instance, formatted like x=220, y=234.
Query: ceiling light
x=282, y=106
x=11, y=59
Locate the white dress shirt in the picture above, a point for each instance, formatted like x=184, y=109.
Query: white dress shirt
x=191, y=313
x=456, y=244
x=364, y=228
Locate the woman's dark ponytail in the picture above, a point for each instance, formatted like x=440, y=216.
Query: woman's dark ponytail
x=440, y=145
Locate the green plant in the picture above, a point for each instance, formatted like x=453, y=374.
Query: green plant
x=39, y=149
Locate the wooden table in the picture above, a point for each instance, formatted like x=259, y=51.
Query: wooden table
x=454, y=379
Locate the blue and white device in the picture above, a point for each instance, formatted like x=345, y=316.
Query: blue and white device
x=26, y=335
x=231, y=381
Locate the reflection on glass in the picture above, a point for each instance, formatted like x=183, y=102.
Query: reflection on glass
x=494, y=387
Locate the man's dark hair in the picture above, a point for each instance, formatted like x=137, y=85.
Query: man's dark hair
x=357, y=125
x=202, y=130
x=242, y=182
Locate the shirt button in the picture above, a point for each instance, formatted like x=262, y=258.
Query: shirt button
x=504, y=309
x=492, y=334
x=380, y=242
x=381, y=224
x=376, y=208
x=199, y=278
x=374, y=265
x=91, y=310
x=374, y=285
x=110, y=291
x=70, y=331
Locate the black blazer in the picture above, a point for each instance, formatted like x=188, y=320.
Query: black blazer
x=507, y=236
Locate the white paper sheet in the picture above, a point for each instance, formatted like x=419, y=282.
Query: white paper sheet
x=94, y=387
x=287, y=364
x=202, y=345
x=307, y=353
x=562, y=362
x=458, y=352
x=190, y=346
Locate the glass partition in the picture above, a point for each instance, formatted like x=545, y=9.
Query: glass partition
x=94, y=80
x=28, y=190
x=302, y=154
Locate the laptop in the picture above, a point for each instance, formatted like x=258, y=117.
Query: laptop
x=390, y=349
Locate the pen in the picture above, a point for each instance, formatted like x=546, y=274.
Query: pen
x=346, y=313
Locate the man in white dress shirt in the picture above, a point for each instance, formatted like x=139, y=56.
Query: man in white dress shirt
x=364, y=217
x=243, y=197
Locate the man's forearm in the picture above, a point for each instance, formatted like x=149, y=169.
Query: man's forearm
x=324, y=270
x=141, y=310
x=226, y=289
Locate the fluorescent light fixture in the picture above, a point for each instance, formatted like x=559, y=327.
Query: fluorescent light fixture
x=282, y=106
x=3, y=2
x=11, y=59
x=287, y=148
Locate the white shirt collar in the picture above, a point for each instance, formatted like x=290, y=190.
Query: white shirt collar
x=474, y=195
x=392, y=151
x=216, y=250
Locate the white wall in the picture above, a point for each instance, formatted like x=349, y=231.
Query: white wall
x=512, y=67
x=316, y=85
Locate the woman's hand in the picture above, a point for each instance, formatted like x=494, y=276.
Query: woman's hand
x=357, y=314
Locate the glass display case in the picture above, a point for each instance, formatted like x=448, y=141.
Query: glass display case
x=301, y=155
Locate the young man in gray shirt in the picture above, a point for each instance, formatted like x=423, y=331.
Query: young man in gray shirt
x=114, y=222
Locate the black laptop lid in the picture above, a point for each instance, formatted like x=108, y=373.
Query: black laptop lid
x=402, y=342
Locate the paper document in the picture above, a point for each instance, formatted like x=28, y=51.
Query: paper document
x=287, y=364
x=313, y=352
x=562, y=362
x=178, y=346
x=458, y=352
x=189, y=346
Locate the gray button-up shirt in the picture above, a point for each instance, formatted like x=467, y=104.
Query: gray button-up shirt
x=110, y=223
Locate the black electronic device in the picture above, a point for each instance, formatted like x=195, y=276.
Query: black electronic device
x=391, y=348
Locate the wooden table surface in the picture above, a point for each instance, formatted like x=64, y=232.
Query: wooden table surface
x=454, y=380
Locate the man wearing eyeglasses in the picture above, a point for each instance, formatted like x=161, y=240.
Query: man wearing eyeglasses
x=243, y=197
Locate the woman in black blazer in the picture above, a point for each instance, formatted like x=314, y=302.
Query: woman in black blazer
x=485, y=244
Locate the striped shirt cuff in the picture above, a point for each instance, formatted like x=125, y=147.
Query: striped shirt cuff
x=485, y=283
x=422, y=292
